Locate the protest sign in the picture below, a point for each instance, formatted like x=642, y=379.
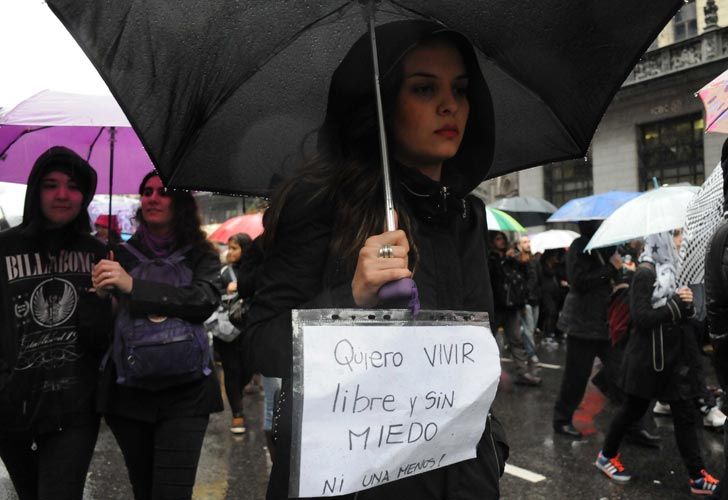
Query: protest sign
x=378, y=397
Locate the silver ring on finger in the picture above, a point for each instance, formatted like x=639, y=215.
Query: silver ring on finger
x=386, y=251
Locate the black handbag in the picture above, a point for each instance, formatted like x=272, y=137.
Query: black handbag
x=235, y=306
x=237, y=311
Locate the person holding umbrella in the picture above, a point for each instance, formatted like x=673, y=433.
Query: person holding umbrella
x=324, y=230
x=53, y=332
x=159, y=423
x=658, y=361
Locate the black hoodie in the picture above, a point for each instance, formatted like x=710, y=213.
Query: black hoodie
x=52, y=330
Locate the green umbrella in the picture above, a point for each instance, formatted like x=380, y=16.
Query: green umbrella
x=501, y=221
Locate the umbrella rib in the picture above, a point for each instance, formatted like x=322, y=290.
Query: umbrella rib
x=26, y=131
x=93, y=143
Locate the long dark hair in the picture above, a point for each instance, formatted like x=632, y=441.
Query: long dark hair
x=186, y=222
x=243, y=240
x=347, y=170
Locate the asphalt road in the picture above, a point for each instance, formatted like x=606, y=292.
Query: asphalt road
x=541, y=466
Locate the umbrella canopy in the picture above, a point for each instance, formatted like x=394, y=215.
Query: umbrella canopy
x=233, y=88
x=715, y=100
x=501, y=221
x=595, y=207
x=661, y=209
x=528, y=210
x=250, y=224
x=552, y=239
x=703, y=215
x=83, y=123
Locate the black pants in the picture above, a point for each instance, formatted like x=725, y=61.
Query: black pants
x=236, y=374
x=57, y=469
x=580, y=354
x=685, y=417
x=161, y=457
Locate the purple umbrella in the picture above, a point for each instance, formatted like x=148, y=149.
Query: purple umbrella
x=92, y=126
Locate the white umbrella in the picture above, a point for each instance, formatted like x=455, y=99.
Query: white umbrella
x=704, y=214
x=12, y=201
x=661, y=209
x=552, y=239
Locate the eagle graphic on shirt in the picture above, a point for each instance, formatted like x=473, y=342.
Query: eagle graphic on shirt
x=53, y=302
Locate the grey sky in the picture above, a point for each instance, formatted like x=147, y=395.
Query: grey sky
x=37, y=53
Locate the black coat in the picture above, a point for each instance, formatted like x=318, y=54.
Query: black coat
x=500, y=267
x=452, y=273
x=716, y=299
x=194, y=303
x=660, y=358
x=584, y=314
x=534, y=281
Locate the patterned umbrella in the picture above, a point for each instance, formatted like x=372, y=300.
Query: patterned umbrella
x=704, y=214
x=715, y=100
x=501, y=221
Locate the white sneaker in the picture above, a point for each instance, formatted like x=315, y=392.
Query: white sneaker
x=662, y=409
x=714, y=418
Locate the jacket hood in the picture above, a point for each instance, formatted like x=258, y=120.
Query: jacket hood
x=352, y=90
x=67, y=161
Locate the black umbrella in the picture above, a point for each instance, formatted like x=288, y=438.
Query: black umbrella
x=223, y=93
x=528, y=210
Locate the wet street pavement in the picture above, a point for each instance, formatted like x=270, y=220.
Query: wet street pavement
x=541, y=465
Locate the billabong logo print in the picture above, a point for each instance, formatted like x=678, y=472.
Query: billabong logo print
x=53, y=302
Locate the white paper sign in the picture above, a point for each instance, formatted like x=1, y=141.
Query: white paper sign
x=382, y=403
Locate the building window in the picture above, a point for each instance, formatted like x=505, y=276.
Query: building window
x=671, y=151
x=566, y=180
x=685, y=23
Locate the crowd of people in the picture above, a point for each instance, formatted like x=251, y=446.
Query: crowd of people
x=92, y=328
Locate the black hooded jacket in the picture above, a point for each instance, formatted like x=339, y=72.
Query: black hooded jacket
x=299, y=271
x=52, y=329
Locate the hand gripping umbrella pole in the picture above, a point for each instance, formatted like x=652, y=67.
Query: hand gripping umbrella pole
x=403, y=289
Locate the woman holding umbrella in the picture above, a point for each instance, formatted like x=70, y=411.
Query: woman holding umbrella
x=325, y=245
x=159, y=425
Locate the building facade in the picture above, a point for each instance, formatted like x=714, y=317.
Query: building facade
x=653, y=131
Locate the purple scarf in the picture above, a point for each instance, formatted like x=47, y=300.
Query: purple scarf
x=160, y=246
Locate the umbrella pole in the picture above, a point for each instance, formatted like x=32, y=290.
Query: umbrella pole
x=388, y=200
x=112, y=142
